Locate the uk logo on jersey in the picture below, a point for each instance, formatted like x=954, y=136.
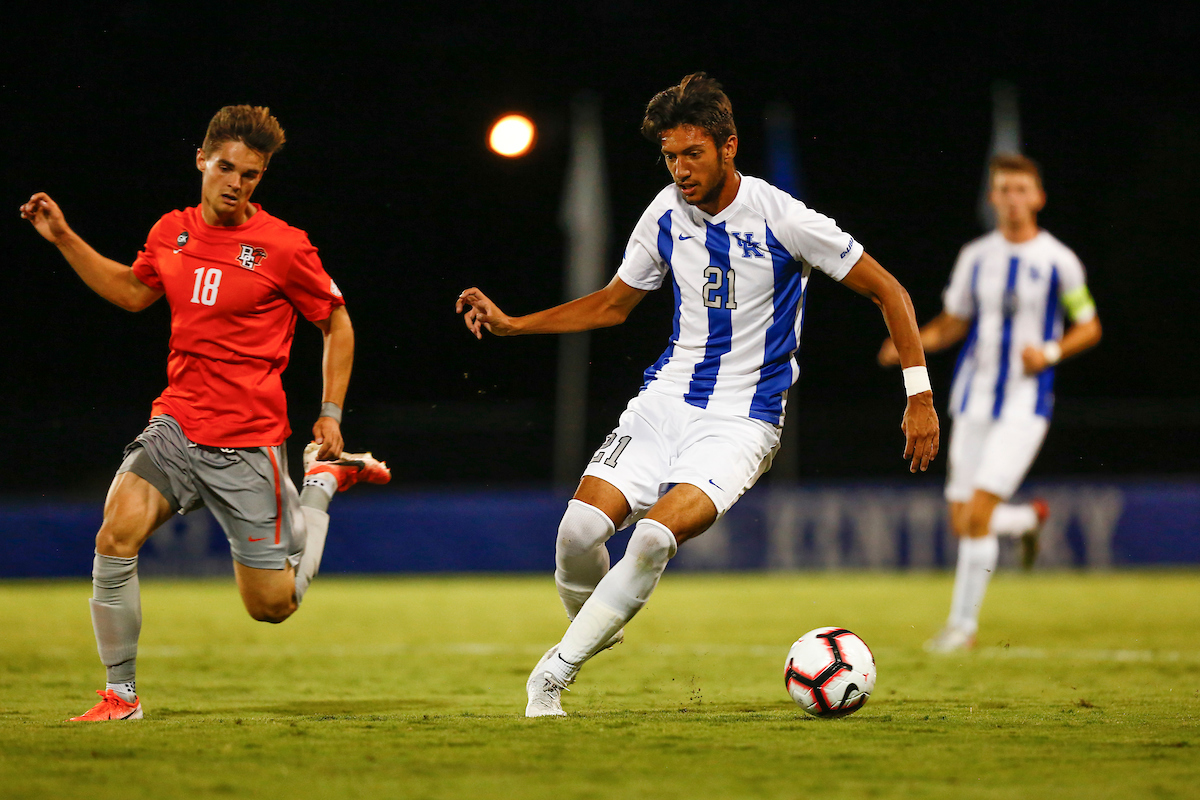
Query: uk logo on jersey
x=749, y=246
x=251, y=257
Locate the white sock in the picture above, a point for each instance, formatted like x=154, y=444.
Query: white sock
x=580, y=557
x=316, y=522
x=126, y=690
x=976, y=562
x=1013, y=520
x=617, y=598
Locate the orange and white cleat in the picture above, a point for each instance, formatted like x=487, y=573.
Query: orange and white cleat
x=111, y=707
x=1030, y=540
x=349, y=469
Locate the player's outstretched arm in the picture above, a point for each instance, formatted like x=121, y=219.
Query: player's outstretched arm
x=920, y=425
x=111, y=280
x=336, y=363
x=941, y=332
x=603, y=309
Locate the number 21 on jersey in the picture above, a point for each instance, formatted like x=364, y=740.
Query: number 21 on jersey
x=208, y=282
x=716, y=281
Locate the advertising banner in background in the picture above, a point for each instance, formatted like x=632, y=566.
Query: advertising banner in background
x=829, y=527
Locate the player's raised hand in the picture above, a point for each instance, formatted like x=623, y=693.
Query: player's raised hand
x=888, y=356
x=479, y=312
x=921, y=431
x=46, y=217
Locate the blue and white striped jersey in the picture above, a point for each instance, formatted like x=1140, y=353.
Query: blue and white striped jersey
x=740, y=280
x=1015, y=294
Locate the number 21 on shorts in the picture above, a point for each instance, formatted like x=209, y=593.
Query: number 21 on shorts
x=208, y=281
x=611, y=461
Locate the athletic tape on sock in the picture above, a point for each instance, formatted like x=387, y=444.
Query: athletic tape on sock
x=318, y=490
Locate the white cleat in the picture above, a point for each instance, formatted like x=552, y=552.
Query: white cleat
x=311, y=449
x=310, y=455
x=544, y=690
x=950, y=640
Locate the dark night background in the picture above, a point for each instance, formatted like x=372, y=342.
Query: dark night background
x=386, y=110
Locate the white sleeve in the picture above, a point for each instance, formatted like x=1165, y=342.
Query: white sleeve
x=816, y=239
x=957, y=299
x=1073, y=289
x=642, y=267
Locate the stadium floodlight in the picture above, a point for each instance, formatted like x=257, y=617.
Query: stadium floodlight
x=512, y=136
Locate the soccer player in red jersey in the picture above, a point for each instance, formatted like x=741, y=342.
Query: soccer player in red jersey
x=235, y=278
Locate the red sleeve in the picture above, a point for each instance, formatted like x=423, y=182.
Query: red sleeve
x=145, y=267
x=309, y=287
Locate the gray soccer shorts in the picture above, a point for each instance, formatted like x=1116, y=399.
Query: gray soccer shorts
x=247, y=489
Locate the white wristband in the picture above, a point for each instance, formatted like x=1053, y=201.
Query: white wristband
x=916, y=380
x=1052, y=352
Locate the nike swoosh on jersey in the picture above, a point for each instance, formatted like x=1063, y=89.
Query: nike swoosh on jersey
x=263, y=537
x=177, y=251
x=682, y=237
x=714, y=483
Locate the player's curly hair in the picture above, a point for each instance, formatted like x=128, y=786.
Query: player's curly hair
x=253, y=126
x=697, y=100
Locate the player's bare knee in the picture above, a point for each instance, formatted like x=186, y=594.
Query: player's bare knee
x=979, y=519
x=272, y=611
x=117, y=540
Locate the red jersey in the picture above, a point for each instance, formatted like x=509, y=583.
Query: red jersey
x=234, y=294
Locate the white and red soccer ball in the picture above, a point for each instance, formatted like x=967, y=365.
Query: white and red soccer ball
x=830, y=672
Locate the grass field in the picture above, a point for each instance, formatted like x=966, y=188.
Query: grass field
x=1084, y=685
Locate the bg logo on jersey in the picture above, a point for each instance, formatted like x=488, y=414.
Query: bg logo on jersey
x=251, y=257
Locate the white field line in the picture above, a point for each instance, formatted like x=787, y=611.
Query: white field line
x=747, y=651
x=1087, y=655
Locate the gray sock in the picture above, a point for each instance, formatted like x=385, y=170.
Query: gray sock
x=116, y=615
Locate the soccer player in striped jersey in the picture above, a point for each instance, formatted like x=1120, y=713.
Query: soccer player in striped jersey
x=1008, y=295
x=236, y=278
x=738, y=254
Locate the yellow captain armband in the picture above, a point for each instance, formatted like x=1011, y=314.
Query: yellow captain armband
x=1079, y=304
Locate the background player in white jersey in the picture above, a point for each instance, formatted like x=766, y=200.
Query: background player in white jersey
x=1007, y=296
x=706, y=424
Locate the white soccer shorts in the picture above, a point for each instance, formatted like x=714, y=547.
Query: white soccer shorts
x=992, y=455
x=661, y=441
